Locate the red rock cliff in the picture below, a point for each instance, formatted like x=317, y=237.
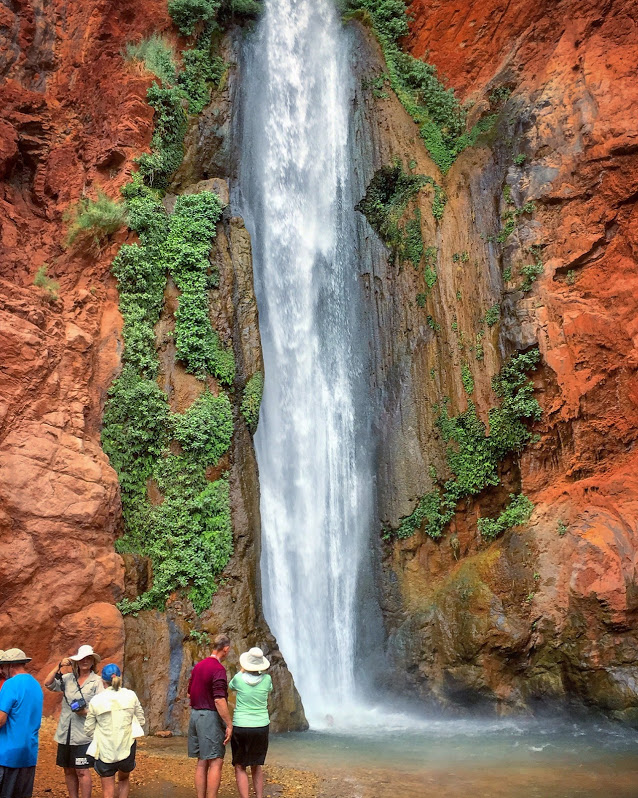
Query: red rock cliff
x=551, y=610
x=74, y=116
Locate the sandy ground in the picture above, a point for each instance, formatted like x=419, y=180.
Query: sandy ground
x=164, y=771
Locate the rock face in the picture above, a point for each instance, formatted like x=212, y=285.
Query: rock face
x=59, y=501
x=74, y=117
x=549, y=611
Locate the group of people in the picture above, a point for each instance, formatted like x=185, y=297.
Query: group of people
x=100, y=721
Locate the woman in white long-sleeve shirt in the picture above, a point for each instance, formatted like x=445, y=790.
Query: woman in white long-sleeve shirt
x=114, y=720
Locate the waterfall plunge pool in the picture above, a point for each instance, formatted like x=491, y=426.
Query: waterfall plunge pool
x=511, y=758
x=495, y=758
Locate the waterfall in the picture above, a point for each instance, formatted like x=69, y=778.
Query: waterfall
x=313, y=441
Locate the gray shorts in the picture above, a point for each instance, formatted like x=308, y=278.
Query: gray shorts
x=206, y=732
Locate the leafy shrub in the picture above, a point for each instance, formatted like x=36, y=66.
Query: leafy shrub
x=157, y=55
x=200, y=71
x=188, y=536
x=385, y=202
x=251, y=402
x=205, y=429
x=97, y=218
x=167, y=144
x=532, y=270
x=187, y=14
x=429, y=270
x=191, y=230
x=474, y=455
x=242, y=9
x=517, y=512
x=467, y=379
x=135, y=428
x=50, y=286
x=492, y=315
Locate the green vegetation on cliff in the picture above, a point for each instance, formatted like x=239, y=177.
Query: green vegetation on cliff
x=186, y=529
x=95, y=219
x=518, y=511
x=251, y=402
x=441, y=118
x=201, y=68
x=474, y=454
x=384, y=206
x=172, y=513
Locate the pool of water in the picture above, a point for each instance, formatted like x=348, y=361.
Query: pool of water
x=512, y=758
x=489, y=759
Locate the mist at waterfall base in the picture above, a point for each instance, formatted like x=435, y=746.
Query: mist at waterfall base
x=313, y=442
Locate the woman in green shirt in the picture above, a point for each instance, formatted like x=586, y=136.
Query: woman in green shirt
x=250, y=720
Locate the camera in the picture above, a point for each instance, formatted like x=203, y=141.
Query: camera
x=77, y=705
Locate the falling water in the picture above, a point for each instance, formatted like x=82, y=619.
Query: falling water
x=312, y=441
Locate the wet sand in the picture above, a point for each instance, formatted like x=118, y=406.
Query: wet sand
x=165, y=771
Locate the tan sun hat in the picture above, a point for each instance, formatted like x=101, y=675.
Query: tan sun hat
x=254, y=660
x=14, y=656
x=86, y=651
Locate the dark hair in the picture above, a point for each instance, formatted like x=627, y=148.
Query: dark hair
x=221, y=641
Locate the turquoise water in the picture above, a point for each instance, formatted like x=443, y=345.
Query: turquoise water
x=491, y=759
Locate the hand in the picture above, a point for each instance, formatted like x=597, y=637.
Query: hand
x=65, y=663
x=229, y=734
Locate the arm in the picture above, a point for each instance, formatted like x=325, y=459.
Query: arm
x=53, y=683
x=222, y=707
x=139, y=712
x=89, y=723
x=3, y=718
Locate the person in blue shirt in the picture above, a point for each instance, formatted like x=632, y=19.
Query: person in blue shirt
x=20, y=716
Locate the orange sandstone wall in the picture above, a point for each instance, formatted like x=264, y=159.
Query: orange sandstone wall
x=73, y=117
x=539, y=614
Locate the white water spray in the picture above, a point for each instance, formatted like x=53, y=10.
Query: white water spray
x=312, y=442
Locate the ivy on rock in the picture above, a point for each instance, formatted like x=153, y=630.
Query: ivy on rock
x=187, y=532
x=474, y=454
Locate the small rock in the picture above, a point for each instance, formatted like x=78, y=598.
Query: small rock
x=164, y=734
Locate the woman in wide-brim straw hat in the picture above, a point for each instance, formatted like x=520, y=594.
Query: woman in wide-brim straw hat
x=251, y=721
x=78, y=685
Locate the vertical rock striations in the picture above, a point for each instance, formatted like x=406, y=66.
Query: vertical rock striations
x=534, y=247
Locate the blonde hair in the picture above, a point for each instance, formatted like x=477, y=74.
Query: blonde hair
x=116, y=682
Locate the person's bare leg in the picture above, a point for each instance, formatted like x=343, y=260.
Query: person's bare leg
x=201, y=775
x=84, y=782
x=214, y=777
x=123, y=784
x=241, y=777
x=71, y=779
x=257, y=772
x=108, y=786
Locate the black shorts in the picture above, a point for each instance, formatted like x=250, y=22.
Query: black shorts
x=73, y=756
x=16, y=782
x=108, y=769
x=250, y=745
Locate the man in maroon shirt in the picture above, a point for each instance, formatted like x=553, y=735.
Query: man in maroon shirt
x=210, y=725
